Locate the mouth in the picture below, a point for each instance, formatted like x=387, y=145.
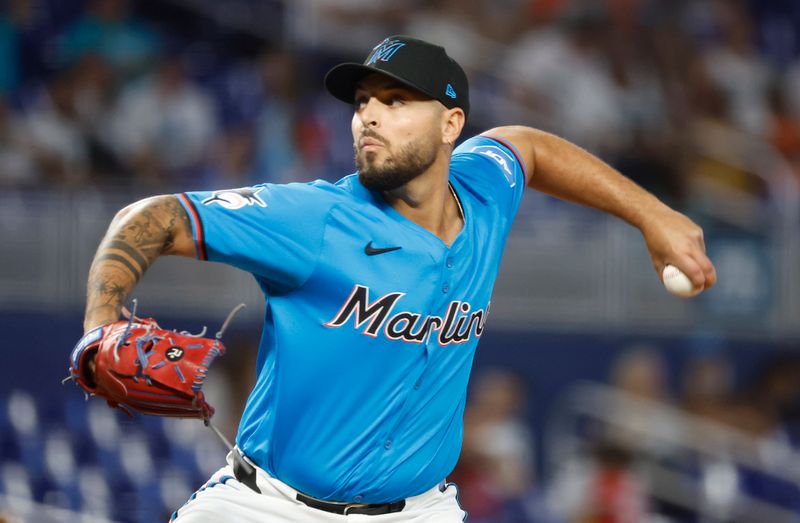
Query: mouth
x=369, y=144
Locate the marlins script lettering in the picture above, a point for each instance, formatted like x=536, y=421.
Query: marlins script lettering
x=458, y=325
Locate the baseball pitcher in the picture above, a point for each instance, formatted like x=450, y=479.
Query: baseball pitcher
x=379, y=290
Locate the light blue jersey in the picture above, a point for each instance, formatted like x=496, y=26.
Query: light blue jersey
x=371, y=323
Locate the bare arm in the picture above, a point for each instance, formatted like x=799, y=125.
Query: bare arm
x=137, y=235
x=564, y=170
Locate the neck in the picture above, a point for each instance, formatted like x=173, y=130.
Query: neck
x=428, y=201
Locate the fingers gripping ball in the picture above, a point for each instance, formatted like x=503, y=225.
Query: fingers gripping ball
x=141, y=367
x=678, y=283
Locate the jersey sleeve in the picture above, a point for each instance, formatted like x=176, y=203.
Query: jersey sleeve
x=493, y=167
x=272, y=231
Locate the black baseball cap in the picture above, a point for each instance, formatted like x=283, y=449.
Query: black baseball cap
x=416, y=63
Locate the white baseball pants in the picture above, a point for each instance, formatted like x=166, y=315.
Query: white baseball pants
x=223, y=498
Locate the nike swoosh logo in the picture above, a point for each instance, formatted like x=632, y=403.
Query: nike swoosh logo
x=369, y=250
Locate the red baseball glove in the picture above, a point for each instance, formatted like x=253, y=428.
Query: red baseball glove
x=141, y=367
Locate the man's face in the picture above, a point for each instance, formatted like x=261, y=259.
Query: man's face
x=396, y=132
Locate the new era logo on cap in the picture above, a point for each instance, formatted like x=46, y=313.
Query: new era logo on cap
x=416, y=63
x=384, y=51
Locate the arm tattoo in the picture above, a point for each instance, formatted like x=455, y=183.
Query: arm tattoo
x=133, y=241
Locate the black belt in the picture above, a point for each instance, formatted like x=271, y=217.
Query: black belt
x=246, y=474
x=352, y=508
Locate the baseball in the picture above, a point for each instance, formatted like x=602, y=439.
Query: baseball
x=678, y=283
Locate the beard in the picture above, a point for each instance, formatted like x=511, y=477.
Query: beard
x=398, y=168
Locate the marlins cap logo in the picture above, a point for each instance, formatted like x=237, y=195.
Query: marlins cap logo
x=236, y=198
x=384, y=51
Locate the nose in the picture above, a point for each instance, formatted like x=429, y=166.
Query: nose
x=369, y=112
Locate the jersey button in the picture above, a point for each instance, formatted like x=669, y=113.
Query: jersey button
x=358, y=498
x=449, y=262
x=418, y=384
x=445, y=288
x=388, y=444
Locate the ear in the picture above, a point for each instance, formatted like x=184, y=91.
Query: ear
x=452, y=124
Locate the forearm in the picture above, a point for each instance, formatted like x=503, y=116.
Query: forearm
x=566, y=171
x=137, y=236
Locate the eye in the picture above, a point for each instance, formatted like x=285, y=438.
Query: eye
x=360, y=101
x=396, y=100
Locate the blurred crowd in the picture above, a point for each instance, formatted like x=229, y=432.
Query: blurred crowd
x=697, y=100
x=707, y=446
x=95, y=93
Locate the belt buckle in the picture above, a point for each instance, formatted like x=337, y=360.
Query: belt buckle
x=351, y=506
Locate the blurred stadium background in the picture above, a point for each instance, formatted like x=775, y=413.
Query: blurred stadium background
x=596, y=396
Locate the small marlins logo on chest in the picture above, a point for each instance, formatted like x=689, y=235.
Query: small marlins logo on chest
x=236, y=198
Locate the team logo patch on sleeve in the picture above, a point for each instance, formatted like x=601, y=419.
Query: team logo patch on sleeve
x=501, y=157
x=236, y=198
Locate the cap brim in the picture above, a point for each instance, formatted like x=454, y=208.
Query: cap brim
x=342, y=80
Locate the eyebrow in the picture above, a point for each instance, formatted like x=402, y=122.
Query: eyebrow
x=393, y=84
